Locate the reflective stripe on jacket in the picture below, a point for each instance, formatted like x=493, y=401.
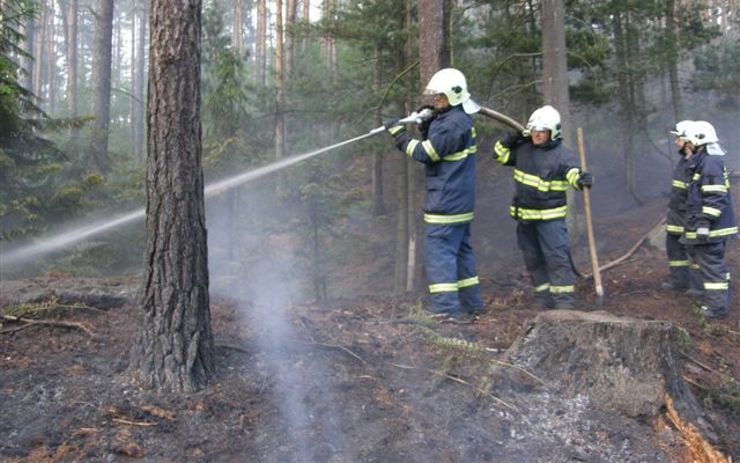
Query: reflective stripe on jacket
x=708, y=199
x=542, y=176
x=449, y=156
x=677, y=204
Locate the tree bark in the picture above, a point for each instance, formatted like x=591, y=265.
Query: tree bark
x=261, y=58
x=174, y=345
x=69, y=16
x=629, y=371
x=101, y=81
x=555, y=84
x=291, y=11
x=378, y=206
x=672, y=50
x=279, y=84
x=237, y=39
x=626, y=101
x=139, y=122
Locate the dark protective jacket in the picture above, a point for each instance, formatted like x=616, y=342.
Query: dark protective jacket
x=676, y=216
x=542, y=176
x=449, y=155
x=708, y=199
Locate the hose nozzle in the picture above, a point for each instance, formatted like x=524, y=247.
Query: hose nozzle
x=417, y=117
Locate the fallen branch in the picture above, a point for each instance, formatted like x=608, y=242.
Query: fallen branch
x=143, y=424
x=31, y=322
x=629, y=253
x=456, y=379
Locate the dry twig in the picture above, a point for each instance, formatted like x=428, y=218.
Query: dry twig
x=31, y=322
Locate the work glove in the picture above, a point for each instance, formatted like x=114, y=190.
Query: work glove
x=585, y=180
x=393, y=127
x=512, y=140
x=424, y=126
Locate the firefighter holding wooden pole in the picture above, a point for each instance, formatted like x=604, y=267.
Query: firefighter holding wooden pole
x=543, y=170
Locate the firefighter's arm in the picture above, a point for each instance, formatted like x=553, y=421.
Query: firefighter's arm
x=504, y=151
x=576, y=177
x=441, y=142
x=714, y=189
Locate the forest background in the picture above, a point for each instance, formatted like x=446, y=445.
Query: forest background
x=284, y=78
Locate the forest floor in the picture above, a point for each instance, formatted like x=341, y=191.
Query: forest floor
x=367, y=379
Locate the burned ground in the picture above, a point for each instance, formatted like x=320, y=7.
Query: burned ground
x=362, y=379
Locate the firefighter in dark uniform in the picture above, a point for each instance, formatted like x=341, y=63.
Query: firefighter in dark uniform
x=543, y=171
x=448, y=151
x=678, y=259
x=710, y=217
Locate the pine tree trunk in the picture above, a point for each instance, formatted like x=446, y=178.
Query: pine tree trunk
x=279, y=83
x=290, y=11
x=378, y=206
x=30, y=47
x=261, y=55
x=101, y=81
x=174, y=346
x=69, y=17
x=672, y=50
x=51, y=62
x=555, y=85
x=627, y=109
x=237, y=38
x=139, y=125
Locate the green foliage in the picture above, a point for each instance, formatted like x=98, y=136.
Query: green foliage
x=36, y=183
x=718, y=70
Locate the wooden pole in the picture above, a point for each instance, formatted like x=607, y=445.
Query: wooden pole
x=589, y=222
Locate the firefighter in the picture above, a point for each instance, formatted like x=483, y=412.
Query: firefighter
x=447, y=149
x=543, y=171
x=678, y=260
x=710, y=217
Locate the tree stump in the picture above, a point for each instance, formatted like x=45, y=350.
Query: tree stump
x=623, y=365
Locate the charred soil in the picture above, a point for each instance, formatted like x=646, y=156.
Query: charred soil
x=368, y=379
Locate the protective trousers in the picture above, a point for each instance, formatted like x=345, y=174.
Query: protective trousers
x=678, y=261
x=545, y=248
x=710, y=257
x=450, y=268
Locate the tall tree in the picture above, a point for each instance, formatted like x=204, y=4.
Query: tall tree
x=261, y=53
x=237, y=37
x=101, y=81
x=140, y=78
x=174, y=346
x=69, y=21
x=279, y=82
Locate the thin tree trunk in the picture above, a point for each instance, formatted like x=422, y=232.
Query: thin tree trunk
x=237, y=39
x=101, y=81
x=627, y=108
x=261, y=55
x=279, y=83
x=30, y=48
x=672, y=50
x=291, y=12
x=51, y=62
x=139, y=125
x=305, y=17
x=69, y=18
x=132, y=97
x=174, y=346
x=39, y=54
x=378, y=206
x=555, y=85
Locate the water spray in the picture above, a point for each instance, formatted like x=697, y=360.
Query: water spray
x=61, y=240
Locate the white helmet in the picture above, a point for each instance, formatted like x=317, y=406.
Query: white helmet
x=681, y=129
x=544, y=118
x=452, y=84
x=701, y=133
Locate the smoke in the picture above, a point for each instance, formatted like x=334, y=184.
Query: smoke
x=259, y=265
